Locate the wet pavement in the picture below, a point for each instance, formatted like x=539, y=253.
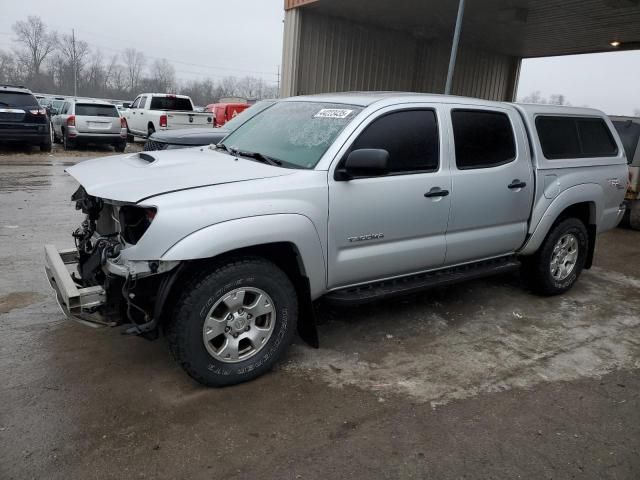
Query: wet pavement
x=480, y=380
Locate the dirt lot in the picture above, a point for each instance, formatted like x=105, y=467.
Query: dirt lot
x=481, y=380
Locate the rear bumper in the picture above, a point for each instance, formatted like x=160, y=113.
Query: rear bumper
x=28, y=133
x=77, y=302
x=110, y=138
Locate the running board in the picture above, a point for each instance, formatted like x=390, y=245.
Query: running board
x=422, y=281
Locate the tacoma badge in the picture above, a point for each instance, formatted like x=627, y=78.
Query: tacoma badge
x=370, y=236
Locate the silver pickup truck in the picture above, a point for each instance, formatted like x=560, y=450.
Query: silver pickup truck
x=346, y=197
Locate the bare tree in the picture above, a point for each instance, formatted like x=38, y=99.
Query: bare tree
x=95, y=76
x=536, y=97
x=558, y=99
x=8, y=68
x=163, y=76
x=134, y=62
x=37, y=44
x=229, y=87
x=533, y=97
x=75, y=53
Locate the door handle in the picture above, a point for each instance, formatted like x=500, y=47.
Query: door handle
x=517, y=184
x=436, y=192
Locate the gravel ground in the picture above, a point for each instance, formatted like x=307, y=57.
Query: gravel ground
x=479, y=380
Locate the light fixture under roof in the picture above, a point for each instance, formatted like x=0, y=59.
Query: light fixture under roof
x=615, y=43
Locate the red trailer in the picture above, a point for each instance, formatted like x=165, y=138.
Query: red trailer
x=223, y=112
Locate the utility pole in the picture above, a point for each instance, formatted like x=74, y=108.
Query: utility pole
x=75, y=64
x=454, y=48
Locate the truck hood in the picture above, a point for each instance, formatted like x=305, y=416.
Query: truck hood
x=135, y=177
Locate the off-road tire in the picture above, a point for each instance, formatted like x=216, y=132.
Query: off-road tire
x=634, y=215
x=536, y=269
x=201, y=291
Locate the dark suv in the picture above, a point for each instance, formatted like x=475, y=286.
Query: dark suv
x=22, y=119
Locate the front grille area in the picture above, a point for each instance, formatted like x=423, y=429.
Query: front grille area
x=152, y=145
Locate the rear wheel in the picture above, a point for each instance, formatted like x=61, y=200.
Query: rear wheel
x=150, y=130
x=120, y=147
x=634, y=215
x=232, y=323
x=46, y=146
x=557, y=264
x=66, y=143
x=130, y=137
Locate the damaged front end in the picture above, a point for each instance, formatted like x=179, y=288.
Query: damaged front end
x=95, y=283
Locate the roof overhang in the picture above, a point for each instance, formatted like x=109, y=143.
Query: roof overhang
x=523, y=28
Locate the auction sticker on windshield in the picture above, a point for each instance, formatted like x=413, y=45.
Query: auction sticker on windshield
x=333, y=113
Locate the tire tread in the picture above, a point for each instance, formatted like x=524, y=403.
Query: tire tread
x=176, y=331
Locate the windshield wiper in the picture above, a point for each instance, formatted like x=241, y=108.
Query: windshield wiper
x=261, y=157
x=222, y=146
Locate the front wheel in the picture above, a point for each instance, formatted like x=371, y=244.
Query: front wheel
x=233, y=323
x=557, y=264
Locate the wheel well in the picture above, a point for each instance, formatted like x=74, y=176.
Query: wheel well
x=586, y=213
x=287, y=257
x=150, y=125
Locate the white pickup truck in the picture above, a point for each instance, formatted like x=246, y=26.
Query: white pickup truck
x=151, y=112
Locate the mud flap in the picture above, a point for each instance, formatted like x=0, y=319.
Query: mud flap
x=306, y=316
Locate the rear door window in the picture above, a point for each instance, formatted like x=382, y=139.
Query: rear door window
x=575, y=137
x=629, y=134
x=410, y=137
x=17, y=99
x=91, y=110
x=483, y=139
x=171, y=103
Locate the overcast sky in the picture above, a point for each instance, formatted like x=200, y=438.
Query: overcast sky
x=214, y=38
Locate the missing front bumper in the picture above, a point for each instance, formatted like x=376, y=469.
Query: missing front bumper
x=77, y=302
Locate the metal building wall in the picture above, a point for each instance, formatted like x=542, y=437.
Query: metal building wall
x=329, y=54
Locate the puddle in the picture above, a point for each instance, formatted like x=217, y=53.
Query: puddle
x=18, y=300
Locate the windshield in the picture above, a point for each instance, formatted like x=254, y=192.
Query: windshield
x=297, y=133
x=629, y=132
x=245, y=115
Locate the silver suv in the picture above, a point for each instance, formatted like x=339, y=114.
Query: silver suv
x=346, y=197
x=89, y=121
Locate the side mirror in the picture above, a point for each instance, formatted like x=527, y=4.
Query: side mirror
x=366, y=162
